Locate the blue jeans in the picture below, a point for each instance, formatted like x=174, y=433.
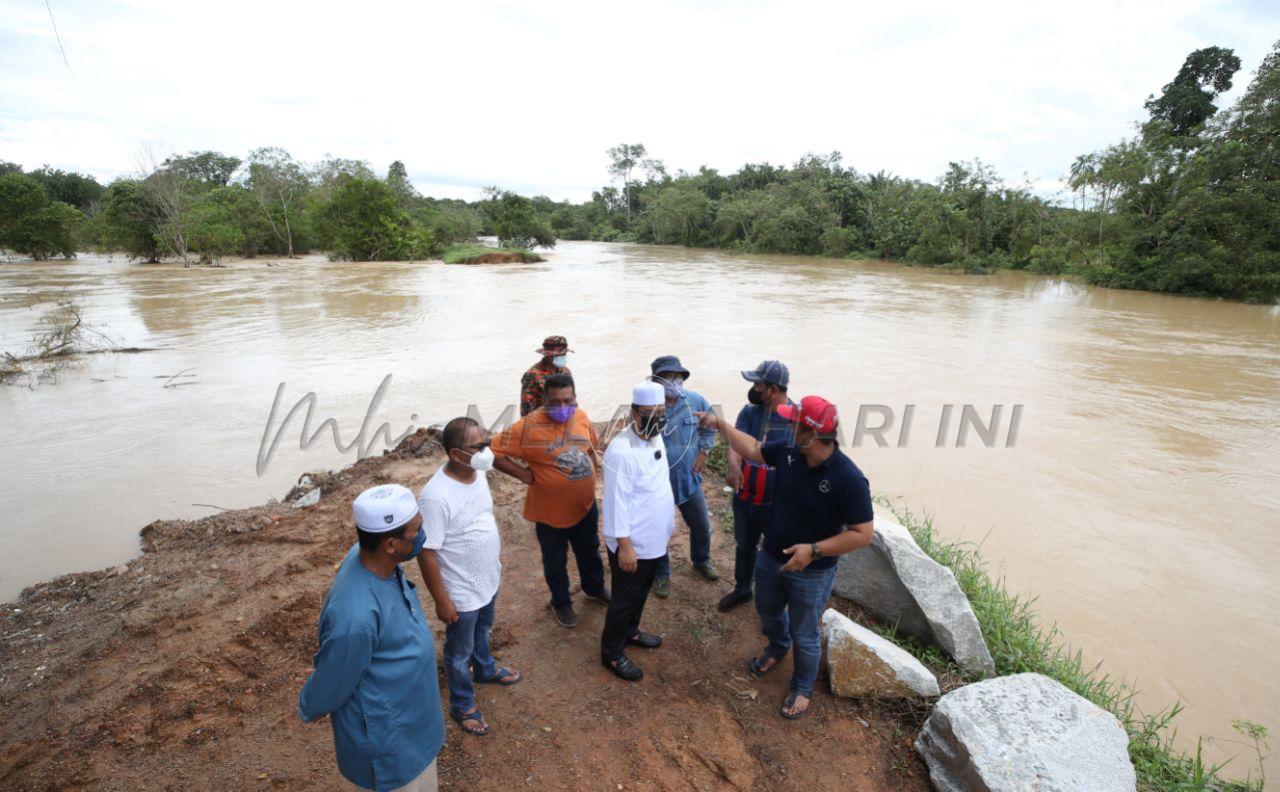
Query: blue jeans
x=790, y=606
x=694, y=512
x=466, y=650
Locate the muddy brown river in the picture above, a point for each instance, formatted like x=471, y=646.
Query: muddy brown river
x=1138, y=501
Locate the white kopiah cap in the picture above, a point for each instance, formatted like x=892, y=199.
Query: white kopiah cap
x=384, y=508
x=647, y=394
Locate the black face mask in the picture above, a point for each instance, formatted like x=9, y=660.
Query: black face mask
x=755, y=397
x=651, y=425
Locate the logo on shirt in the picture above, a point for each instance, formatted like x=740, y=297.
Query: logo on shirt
x=824, y=486
x=790, y=459
x=574, y=462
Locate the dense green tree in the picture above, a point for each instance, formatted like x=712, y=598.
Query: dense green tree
x=516, y=221
x=1187, y=102
x=130, y=220
x=218, y=222
x=20, y=197
x=368, y=224
x=681, y=214
x=211, y=168
x=72, y=188
x=398, y=181
x=33, y=225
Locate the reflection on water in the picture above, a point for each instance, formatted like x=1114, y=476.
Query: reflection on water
x=1139, y=503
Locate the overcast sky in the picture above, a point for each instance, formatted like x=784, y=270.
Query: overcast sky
x=529, y=95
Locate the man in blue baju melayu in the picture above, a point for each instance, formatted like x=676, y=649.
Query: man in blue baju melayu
x=375, y=672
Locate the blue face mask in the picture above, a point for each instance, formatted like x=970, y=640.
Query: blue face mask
x=419, y=542
x=559, y=361
x=673, y=387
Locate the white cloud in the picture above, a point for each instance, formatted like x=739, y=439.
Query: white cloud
x=529, y=95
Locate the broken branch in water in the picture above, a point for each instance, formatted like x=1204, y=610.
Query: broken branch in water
x=170, y=383
x=62, y=334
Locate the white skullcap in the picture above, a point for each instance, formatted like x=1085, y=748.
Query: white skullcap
x=648, y=394
x=384, y=508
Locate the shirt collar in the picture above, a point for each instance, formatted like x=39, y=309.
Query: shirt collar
x=636, y=440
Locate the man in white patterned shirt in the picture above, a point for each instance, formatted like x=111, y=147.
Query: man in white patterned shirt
x=461, y=566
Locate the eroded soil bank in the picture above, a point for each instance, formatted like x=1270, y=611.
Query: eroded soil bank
x=181, y=669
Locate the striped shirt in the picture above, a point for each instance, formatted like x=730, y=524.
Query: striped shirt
x=758, y=479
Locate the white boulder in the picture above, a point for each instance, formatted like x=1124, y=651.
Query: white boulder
x=1024, y=733
x=896, y=582
x=865, y=665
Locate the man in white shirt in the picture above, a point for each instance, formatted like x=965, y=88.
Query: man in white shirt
x=461, y=566
x=639, y=515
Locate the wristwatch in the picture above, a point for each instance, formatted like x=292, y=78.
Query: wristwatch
x=817, y=551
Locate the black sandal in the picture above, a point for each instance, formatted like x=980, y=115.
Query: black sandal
x=791, y=702
x=473, y=715
x=755, y=666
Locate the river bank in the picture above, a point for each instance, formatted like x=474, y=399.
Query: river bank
x=182, y=667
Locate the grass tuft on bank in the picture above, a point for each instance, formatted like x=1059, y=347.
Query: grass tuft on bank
x=1019, y=644
x=469, y=253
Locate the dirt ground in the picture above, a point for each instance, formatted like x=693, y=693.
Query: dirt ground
x=181, y=671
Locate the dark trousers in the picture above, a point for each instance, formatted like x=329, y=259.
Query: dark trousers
x=630, y=590
x=555, y=544
x=749, y=521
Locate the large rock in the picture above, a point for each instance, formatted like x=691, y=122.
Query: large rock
x=1024, y=732
x=896, y=582
x=865, y=665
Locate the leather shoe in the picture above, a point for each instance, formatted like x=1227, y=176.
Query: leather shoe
x=732, y=600
x=600, y=596
x=645, y=640
x=565, y=615
x=624, y=668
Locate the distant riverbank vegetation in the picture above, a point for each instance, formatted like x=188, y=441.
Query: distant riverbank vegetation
x=206, y=205
x=1191, y=205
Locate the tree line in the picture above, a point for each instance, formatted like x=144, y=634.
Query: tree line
x=1191, y=204
x=199, y=207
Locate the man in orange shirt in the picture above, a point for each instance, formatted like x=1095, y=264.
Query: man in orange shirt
x=559, y=444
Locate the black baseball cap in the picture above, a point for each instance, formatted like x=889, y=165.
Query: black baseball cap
x=773, y=372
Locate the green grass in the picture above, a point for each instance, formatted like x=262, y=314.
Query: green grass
x=1019, y=644
x=468, y=253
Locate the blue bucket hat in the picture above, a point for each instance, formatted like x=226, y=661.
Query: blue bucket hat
x=667, y=364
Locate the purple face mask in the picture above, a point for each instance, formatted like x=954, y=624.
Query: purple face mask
x=561, y=412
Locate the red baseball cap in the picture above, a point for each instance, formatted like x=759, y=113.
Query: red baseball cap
x=816, y=412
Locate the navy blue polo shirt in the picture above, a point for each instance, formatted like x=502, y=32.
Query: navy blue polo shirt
x=812, y=503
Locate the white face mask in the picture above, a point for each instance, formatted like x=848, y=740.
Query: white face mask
x=559, y=361
x=482, y=460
